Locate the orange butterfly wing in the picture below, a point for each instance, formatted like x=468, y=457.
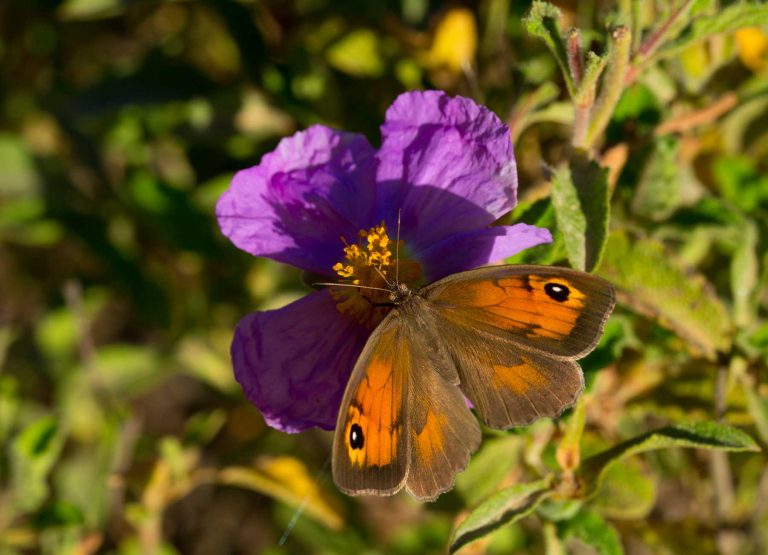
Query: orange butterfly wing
x=370, y=451
x=403, y=421
x=514, y=333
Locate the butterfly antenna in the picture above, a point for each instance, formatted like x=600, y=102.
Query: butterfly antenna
x=330, y=284
x=382, y=277
x=397, y=249
x=303, y=505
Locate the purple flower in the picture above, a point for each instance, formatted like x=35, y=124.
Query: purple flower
x=327, y=202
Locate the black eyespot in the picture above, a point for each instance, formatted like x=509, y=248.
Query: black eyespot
x=557, y=291
x=356, y=439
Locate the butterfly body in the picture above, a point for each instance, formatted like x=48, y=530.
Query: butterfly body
x=504, y=337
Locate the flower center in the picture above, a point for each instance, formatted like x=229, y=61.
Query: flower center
x=371, y=262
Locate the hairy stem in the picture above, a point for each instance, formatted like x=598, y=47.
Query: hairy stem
x=613, y=84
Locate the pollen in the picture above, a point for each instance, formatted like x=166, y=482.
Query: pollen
x=368, y=263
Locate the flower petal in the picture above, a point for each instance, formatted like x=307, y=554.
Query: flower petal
x=314, y=188
x=473, y=249
x=294, y=363
x=447, y=163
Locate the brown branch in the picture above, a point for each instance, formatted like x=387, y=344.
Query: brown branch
x=691, y=120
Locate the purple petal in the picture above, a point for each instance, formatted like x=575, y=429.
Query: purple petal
x=447, y=162
x=470, y=250
x=314, y=188
x=293, y=363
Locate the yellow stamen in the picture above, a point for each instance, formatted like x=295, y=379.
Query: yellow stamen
x=368, y=263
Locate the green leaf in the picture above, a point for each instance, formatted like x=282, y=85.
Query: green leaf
x=543, y=21
x=33, y=454
x=757, y=404
x=737, y=16
x=580, y=198
x=745, y=268
x=494, y=461
x=697, y=435
x=9, y=406
x=658, y=191
x=129, y=369
x=649, y=279
x=506, y=506
x=357, y=54
x=625, y=491
x=591, y=529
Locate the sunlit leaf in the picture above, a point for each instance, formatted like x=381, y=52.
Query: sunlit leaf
x=729, y=19
x=625, y=491
x=288, y=480
x=543, y=21
x=506, y=506
x=590, y=528
x=357, y=54
x=696, y=435
x=649, y=280
x=33, y=453
x=488, y=467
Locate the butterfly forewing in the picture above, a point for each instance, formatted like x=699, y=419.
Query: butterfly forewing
x=552, y=310
x=514, y=333
x=370, y=451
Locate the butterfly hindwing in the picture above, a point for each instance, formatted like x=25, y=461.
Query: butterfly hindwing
x=443, y=431
x=403, y=420
x=370, y=451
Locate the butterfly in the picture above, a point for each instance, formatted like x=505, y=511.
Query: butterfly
x=505, y=337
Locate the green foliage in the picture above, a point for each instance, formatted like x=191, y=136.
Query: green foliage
x=504, y=507
x=641, y=141
x=655, y=284
x=580, y=198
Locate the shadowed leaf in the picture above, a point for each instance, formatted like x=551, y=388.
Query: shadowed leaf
x=580, y=197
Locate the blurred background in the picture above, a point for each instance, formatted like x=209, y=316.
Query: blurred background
x=122, y=429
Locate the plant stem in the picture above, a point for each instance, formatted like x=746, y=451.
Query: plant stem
x=655, y=40
x=585, y=99
x=613, y=85
x=573, y=52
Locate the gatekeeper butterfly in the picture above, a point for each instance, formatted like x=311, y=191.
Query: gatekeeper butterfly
x=505, y=337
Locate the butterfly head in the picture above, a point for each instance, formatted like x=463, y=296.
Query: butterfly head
x=373, y=276
x=399, y=293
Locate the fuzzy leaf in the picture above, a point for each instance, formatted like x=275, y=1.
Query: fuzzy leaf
x=543, y=21
x=658, y=191
x=625, y=492
x=697, y=435
x=580, y=197
x=506, y=506
x=650, y=281
x=594, y=531
x=488, y=468
x=737, y=16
